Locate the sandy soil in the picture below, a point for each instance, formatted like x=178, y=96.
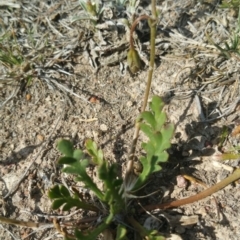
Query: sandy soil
x=80, y=88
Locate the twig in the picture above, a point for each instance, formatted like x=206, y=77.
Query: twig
x=9, y=4
x=232, y=178
x=134, y=26
x=28, y=224
x=49, y=215
x=62, y=231
x=204, y=185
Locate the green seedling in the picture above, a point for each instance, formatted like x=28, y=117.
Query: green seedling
x=153, y=125
x=8, y=58
x=230, y=48
x=233, y=47
x=11, y=56
x=112, y=196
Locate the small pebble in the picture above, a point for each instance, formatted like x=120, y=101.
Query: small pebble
x=129, y=104
x=40, y=137
x=103, y=127
x=181, y=181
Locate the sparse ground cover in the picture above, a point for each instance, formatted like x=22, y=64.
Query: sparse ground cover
x=63, y=76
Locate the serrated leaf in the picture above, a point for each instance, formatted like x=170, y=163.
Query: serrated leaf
x=160, y=120
x=57, y=203
x=149, y=118
x=112, y=185
x=65, y=147
x=159, y=140
x=62, y=197
x=167, y=133
x=156, y=104
x=79, y=168
x=64, y=191
x=147, y=130
x=149, y=148
x=54, y=192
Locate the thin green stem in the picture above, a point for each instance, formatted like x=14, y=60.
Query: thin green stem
x=154, y=10
x=138, y=227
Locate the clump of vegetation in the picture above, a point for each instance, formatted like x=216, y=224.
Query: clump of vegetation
x=17, y=67
x=114, y=199
x=233, y=45
x=230, y=4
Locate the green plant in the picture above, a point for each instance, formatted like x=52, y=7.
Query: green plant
x=230, y=4
x=234, y=44
x=11, y=56
x=115, y=197
x=114, y=203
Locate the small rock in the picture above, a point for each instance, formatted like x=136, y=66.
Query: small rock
x=181, y=181
x=129, y=104
x=152, y=223
x=40, y=137
x=103, y=127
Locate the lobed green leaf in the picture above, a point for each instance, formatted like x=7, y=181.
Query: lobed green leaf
x=159, y=135
x=65, y=147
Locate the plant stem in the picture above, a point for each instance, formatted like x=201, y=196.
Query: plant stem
x=134, y=26
x=149, y=81
x=137, y=226
x=230, y=179
x=154, y=10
